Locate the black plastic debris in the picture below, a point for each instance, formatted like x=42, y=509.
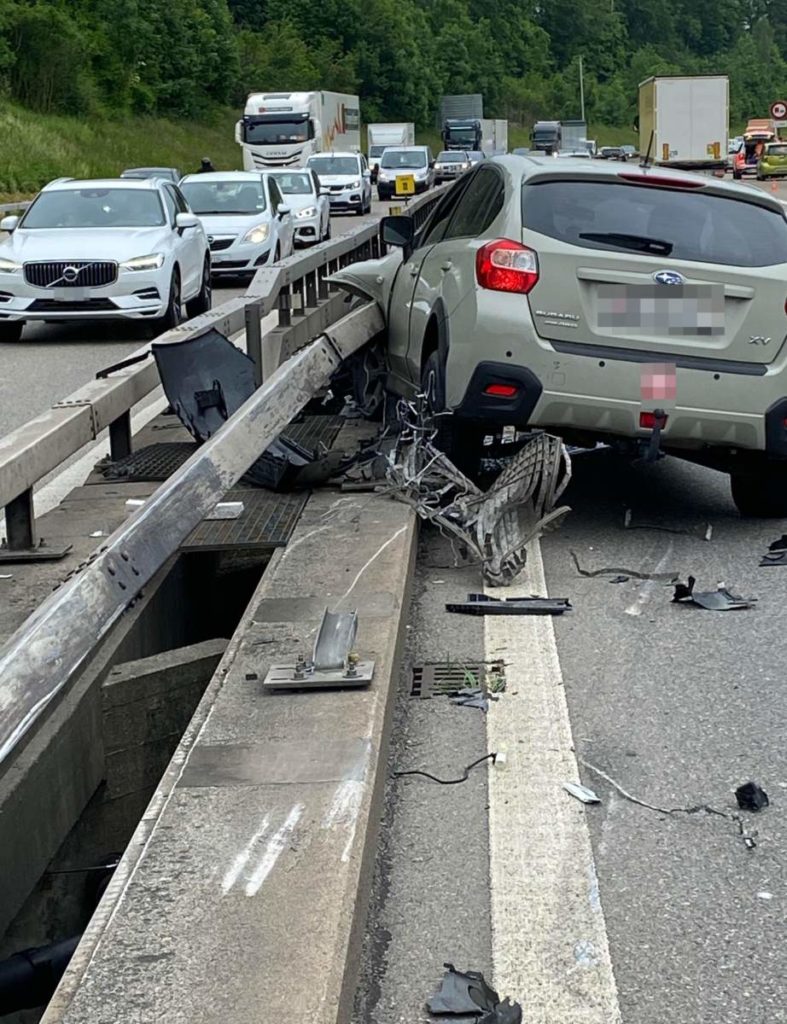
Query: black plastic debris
x=720, y=600
x=620, y=579
x=751, y=797
x=481, y=604
x=504, y=1013
x=780, y=544
x=773, y=558
x=469, y=698
x=463, y=992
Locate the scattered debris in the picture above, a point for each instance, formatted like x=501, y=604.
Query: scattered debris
x=719, y=600
x=481, y=604
x=620, y=579
x=773, y=558
x=447, y=782
x=467, y=993
x=493, y=527
x=764, y=895
x=134, y=503
x=623, y=574
x=598, y=447
x=97, y=533
x=706, y=530
x=471, y=698
x=780, y=544
x=6, y=576
x=587, y=796
x=226, y=510
x=751, y=797
x=749, y=838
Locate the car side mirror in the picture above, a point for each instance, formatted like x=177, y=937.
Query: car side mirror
x=282, y=209
x=186, y=220
x=398, y=231
x=9, y=224
x=239, y=132
x=324, y=191
x=367, y=175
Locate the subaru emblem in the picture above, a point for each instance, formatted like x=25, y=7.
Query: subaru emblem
x=669, y=277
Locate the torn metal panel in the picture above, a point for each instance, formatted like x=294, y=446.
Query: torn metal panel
x=492, y=527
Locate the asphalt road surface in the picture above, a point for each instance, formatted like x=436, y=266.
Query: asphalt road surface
x=52, y=360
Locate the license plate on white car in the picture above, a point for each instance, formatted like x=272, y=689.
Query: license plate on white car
x=662, y=309
x=68, y=294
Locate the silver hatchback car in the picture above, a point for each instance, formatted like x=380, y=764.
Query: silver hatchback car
x=598, y=301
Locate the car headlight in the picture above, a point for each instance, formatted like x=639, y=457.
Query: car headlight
x=464, y=167
x=259, y=233
x=9, y=266
x=438, y=167
x=382, y=176
x=152, y=262
x=308, y=211
x=354, y=184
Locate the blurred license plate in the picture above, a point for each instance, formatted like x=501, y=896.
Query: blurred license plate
x=662, y=309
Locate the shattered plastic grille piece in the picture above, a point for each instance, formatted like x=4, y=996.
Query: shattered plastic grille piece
x=493, y=527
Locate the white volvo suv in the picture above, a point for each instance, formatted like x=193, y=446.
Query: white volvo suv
x=103, y=249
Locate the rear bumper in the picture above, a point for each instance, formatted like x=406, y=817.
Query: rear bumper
x=719, y=404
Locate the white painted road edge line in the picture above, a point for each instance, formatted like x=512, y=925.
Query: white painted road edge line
x=549, y=939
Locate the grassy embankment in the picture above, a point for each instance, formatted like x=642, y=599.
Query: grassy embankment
x=38, y=147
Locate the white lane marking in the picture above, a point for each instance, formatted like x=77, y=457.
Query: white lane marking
x=273, y=850
x=238, y=865
x=549, y=938
x=647, y=588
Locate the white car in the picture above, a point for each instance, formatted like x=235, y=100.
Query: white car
x=245, y=217
x=309, y=203
x=103, y=249
x=347, y=178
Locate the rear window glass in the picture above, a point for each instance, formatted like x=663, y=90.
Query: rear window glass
x=655, y=221
x=776, y=150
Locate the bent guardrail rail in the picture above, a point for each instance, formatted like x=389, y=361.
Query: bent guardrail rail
x=295, y=287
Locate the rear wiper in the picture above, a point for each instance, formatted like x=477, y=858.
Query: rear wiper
x=639, y=243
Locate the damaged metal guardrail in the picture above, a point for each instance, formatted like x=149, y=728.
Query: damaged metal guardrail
x=51, y=647
x=295, y=287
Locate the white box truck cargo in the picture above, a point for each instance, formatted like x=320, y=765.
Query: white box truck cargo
x=684, y=120
x=378, y=136
x=283, y=129
x=573, y=136
x=501, y=136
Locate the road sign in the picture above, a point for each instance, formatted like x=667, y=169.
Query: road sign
x=779, y=110
x=405, y=185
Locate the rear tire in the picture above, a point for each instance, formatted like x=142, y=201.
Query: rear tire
x=459, y=439
x=761, y=494
x=203, y=300
x=11, y=332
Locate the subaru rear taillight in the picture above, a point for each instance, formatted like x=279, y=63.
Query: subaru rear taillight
x=506, y=266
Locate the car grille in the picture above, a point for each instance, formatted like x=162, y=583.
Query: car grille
x=75, y=274
x=217, y=244
x=86, y=305
x=337, y=188
x=230, y=264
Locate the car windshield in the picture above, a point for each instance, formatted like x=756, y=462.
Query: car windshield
x=401, y=158
x=455, y=157
x=264, y=132
x=777, y=150
x=684, y=225
x=293, y=184
x=375, y=151
x=229, y=196
x=96, y=208
x=334, y=164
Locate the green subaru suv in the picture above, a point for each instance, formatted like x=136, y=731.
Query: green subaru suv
x=597, y=301
x=773, y=162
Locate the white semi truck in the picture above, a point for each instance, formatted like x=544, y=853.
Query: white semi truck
x=283, y=129
x=378, y=136
x=684, y=120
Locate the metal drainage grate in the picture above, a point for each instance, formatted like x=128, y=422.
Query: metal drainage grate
x=440, y=678
x=160, y=461
x=267, y=521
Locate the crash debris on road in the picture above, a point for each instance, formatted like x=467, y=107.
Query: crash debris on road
x=482, y=604
x=751, y=797
x=719, y=600
x=467, y=993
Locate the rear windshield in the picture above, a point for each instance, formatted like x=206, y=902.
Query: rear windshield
x=655, y=221
x=776, y=150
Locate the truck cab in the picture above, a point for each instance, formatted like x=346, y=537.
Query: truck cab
x=546, y=137
x=463, y=133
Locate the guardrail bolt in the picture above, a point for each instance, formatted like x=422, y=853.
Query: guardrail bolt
x=352, y=663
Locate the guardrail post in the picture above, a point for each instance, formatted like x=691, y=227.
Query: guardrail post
x=20, y=522
x=311, y=290
x=322, y=285
x=254, y=339
x=120, y=436
x=285, y=304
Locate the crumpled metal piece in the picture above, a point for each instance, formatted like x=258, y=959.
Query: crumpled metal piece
x=494, y=526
